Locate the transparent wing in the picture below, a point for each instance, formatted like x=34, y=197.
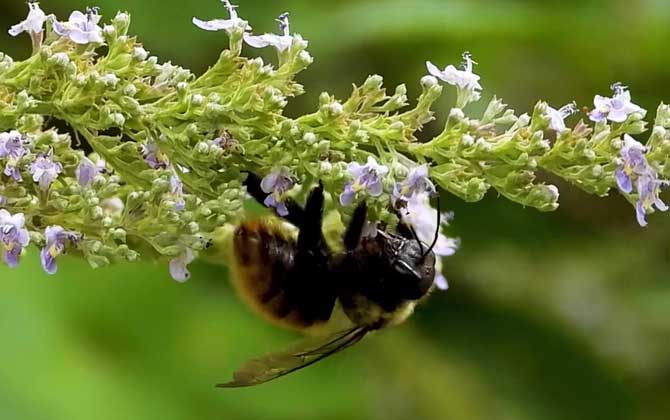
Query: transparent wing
x=307, y=352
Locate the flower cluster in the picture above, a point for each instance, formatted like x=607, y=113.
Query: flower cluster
x=13, y=236
x=158, y=155
x=81, y=28
x=366, y=177
x=12, y=150
x=617, y=108
x=635, y=173
x=56, y=239
x=276, y=184
x=281, y=42
x=466, y=82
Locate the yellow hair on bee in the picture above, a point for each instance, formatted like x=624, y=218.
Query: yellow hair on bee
x=260, y=246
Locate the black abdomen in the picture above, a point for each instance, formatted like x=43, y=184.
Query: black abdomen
x=291, y=288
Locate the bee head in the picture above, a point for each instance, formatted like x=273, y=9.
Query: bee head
x=411, y=267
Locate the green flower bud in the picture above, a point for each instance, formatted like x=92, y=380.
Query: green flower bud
x=97, y=213
x=140, y=54
x=121, y=21
x=193, y=227
x=59, y=60
x=130, y=90
x=428, y=82
x=305, y=59
x=197, y=99
x=397, y=125
x=119, y=234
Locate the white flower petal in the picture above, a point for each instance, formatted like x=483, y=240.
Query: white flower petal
x=214, y=25
x=435, y=71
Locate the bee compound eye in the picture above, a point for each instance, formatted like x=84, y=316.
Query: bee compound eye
x=403, y=268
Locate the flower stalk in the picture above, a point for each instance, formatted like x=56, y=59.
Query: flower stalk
x=110, y=154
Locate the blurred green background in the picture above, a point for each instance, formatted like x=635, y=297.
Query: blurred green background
x=549, y=316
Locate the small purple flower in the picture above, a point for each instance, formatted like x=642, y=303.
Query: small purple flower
x=276, y=184
x=636, y=173
x=45, y=170
x=81, y=28
x=178, y=265
x=177, y=191
x=648, y=190
x=419, y=214
x=56, y=240
x=33, y=24
x=280, y=42
x=12, y=149
x=13, y=236
x=367, y=177
x=558, y=116
x=417, y=181
x=370, y=229
x=616, y=108
x=154, y=157
x=634, y=163
x=227, y=25
x=87, y=171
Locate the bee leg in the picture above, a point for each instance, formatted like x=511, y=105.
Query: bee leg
x=295, y=215
x=310, y=235
x=355, y=229
x=405, y=230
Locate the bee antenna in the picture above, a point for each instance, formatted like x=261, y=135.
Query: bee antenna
x=416, y=237
x=437, y=228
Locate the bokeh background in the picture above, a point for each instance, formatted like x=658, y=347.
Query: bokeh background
x=549, y=316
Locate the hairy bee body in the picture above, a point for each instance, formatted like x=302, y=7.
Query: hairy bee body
x=299, y=289
x=297, y=281
x=276, y=279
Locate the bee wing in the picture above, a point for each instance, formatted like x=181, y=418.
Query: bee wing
x=307, y=352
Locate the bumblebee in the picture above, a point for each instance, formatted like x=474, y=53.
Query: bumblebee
x=298, y=282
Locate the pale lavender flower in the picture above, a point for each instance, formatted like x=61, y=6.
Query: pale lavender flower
x=370, y=229
x=366, y=177
x=276, y=184
x=423, y=218
x=56, y=240
x=87, y=171
x=33, y=24
x=45, y=170
x=12, y=149
x=177, y=191
x=616, y=108
x=635, y=172
x=634, y=163
x=557, y=116
x=417, y=181
x=648, y=190
x=154, y=157
x=280, y=42
x=81, y=28
x=13, y=236
x=178, y=268
x=462, y=78
x=227, y=25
